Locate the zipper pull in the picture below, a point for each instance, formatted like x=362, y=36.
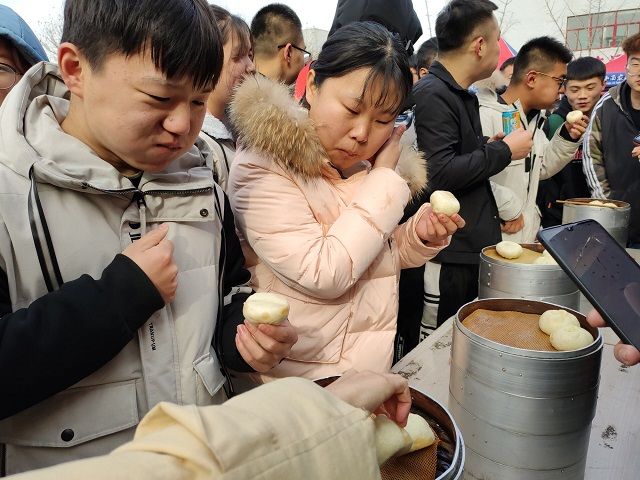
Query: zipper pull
x=138, y=196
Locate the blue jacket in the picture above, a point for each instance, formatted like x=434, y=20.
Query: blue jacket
x=16, y=30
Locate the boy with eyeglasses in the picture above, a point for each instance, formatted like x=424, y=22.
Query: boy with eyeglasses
x=611, y=158
x=585, y=83
x=278, y=44
x=19, y=50
x=539, y=77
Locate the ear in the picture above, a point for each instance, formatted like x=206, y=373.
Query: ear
x=73, y=68
x=530, y=79
x=422, y=72
x=311, y=90
x=286, y=53
x=480, y=46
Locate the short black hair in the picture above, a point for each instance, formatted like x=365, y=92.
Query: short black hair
x=367, y=45
x=507, y=63
x=539, y=54
x=459, y=19
x=585, y=68
x=427, y=53
x=274, y=25
x=181, y=35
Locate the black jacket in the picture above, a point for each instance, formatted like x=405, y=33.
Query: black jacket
x=401, y=19
x=66, y=335
x=459, y=160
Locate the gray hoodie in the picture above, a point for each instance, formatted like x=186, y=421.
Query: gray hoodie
x=91, y=216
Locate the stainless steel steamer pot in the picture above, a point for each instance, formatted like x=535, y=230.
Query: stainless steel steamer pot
x=524, y=414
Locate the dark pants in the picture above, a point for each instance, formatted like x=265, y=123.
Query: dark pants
x=458, y=285
x=409, y=311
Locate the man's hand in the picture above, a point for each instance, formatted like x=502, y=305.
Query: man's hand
x=380, y=393
x=513, y=226
x=520, y=143
x=626, y=354
x=577, y=129
x=636, y=152
x=264, y=346
x=153, y=253
x=436, y=228
x=496, y=137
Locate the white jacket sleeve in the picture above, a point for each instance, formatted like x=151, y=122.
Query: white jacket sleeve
x=284, y=430
x=510, y=206
x=557, y=154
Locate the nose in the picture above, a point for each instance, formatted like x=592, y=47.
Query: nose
x=251, y=67
x=360, y=131
x=178, y=121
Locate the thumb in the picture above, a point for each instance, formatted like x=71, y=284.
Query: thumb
x=154, y=237
x=397, y=133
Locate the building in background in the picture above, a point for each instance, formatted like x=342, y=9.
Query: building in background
x=601, y=34
x=314, y=38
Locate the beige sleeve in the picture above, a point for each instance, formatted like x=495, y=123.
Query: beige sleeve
x=287, y=429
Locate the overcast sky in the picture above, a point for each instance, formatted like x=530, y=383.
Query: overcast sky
x=313, y=14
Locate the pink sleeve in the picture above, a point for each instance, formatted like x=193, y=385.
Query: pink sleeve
x=275, y=218
x=413, y=251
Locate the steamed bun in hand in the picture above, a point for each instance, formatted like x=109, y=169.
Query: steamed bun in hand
x=393, y=440
x=265, y=308
x=575, y=116
x=444, y=202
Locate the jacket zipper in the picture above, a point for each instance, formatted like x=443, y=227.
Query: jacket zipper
x=126, y=191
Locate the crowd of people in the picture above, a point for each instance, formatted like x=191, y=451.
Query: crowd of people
x=160, y=171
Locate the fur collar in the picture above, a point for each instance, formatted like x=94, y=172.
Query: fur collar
x=268, y=120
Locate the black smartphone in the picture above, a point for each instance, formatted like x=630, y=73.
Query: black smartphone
x=605, y=273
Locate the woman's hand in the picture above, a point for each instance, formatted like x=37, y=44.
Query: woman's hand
x=435, y=228
x=389, y=153
x=381, y=393
x=264, y=346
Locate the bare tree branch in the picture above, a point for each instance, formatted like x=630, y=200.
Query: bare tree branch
x=50, y=33
x=505, y=17
x=549, y=6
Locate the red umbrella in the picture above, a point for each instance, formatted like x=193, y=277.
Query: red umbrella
x=506, y=52
x=616, y=68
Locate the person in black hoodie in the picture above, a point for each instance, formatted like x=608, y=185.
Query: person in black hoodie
x=585, y=82
x=459, y=158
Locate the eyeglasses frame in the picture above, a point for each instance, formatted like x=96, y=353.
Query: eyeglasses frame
x=306, y=52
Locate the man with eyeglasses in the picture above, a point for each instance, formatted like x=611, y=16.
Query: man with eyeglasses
x=279, y=48
x=19, y=50
x=539, y=77
x=611, y=157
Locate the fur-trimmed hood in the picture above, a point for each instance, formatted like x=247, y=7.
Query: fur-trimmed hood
x=269, y=120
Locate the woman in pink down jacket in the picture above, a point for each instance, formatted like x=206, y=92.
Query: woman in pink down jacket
x=317, y=194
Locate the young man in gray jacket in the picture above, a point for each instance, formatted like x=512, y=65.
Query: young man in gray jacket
x=539, y=77
x=97, y=157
